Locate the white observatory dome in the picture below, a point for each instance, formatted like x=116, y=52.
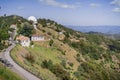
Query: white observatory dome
x=32, y=18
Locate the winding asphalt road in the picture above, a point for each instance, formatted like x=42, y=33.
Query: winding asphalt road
x=16, y=68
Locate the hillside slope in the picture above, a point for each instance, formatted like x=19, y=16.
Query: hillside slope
x=67, y=54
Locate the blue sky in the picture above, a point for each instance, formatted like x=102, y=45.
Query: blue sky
x=67, y=12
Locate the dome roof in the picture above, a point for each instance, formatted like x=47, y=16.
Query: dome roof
x=32, y=18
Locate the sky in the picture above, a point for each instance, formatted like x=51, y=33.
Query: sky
x=66, y=12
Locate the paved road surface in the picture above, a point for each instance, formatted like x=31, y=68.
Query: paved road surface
x=16, y=68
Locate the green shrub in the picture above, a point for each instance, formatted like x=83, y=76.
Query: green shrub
x=63, y=63
x=57, y=69
x=26, y=30
x=51, y=42
x=71, y=64
x=30, y=58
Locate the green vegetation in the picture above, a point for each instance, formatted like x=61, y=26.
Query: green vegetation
x=97, y=50
x=92, y=50
x=4, y=36
x=32, y=59
x=5, y=22
x=57, y=69
x=26, y=30
x=96, y=72
x=6, y=74
x=51, y=42
x=77, y=56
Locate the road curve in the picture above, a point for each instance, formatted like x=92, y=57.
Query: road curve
x=16, y=68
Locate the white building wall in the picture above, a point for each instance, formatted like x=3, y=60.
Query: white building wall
x=25, y=43
x=37, y=38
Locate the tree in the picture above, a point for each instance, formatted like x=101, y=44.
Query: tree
x=43, y=22
x=47, y=64
x=26, y=30
x=4, y=35
x=30, y=58
x=57, y=69
x=51, y=42
x=63, y=63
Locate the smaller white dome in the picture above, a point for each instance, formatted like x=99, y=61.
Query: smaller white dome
x=32, y=18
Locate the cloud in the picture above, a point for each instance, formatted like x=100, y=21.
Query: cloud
x=20, y=8
x=115, y=2
x=58, y=4
x=95, y=5
x=116, y=10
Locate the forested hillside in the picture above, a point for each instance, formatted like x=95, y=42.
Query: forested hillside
x=67, y=55
x=5, y=23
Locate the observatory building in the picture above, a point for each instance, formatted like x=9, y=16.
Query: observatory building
x=32, y=18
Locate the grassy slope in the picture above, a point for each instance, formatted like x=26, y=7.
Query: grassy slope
x=42, y=51
x=90, y=68
x=91, y=56
x=40, y=54
x=6, y=74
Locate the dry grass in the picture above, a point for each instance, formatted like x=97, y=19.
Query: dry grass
x=40, y=54
x=70, y=53
x=42, y=51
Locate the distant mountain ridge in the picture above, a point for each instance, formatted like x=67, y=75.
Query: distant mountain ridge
x=101, y=29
